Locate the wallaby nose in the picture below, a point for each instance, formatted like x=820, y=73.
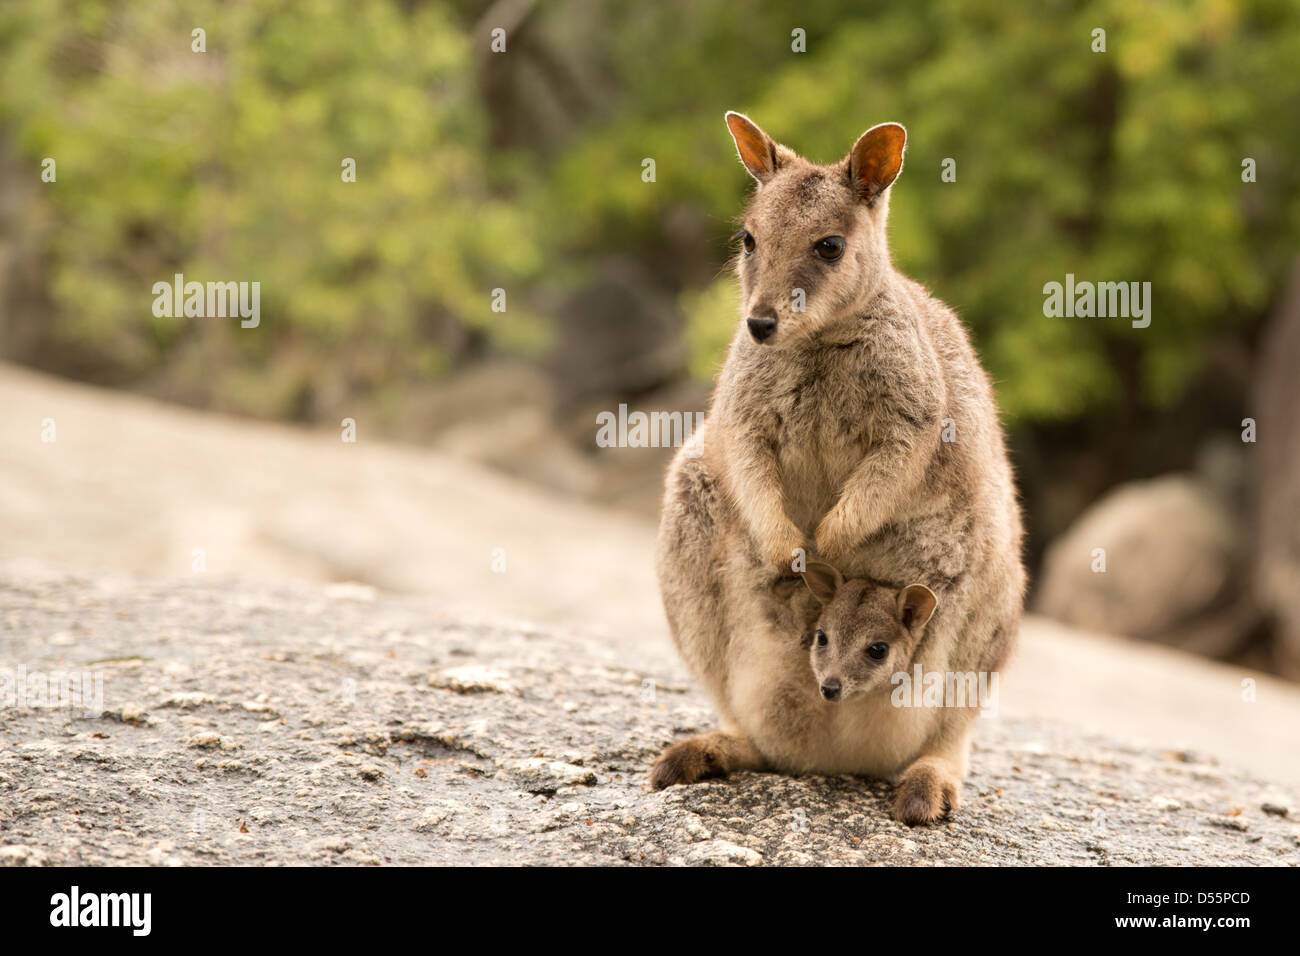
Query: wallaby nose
x=761, y=327
x=831, y=689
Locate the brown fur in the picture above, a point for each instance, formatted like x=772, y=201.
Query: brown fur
x=826, y=436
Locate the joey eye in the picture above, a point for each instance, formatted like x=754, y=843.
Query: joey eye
x=878, y=650
x=830, y=248
x=820, y=638
x=746, y=240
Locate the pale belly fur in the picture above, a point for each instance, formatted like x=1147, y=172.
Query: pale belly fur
x=772, y=698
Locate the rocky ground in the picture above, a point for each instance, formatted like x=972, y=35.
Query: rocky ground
x=133, y=485
x=245, y=723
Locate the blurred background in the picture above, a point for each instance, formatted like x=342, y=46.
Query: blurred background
x=523, y=171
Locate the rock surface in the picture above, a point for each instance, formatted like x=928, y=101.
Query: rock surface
x=256, y=724
x=132, y=485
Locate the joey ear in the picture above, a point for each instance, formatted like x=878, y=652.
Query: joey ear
x=876, y=159
x=785, y=585
x=761, y=155
x=916, y=604
x=822, y=580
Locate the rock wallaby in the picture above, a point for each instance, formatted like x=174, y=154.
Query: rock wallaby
x=851, y=423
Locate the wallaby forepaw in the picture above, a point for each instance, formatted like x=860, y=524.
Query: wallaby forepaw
x=924, y=795
x=782, y=549
x=834, y=542
x=685, y=762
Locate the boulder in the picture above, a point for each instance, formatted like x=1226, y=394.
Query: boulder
x=1159, y=560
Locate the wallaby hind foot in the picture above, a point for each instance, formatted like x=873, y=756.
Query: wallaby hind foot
x=703, y=757
x=927, y=792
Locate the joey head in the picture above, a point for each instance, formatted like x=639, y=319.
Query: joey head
x=866, y=632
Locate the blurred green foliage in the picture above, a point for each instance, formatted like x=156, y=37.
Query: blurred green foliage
x=1123, y=165
x=227, y=165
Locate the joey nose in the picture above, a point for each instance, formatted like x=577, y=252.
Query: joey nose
x=761, y=327
x=831, y=689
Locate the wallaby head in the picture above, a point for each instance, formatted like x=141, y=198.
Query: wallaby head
x=865, y=632
x=813, y=237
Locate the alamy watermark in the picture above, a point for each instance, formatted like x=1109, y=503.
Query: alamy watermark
x=130, y=910
x=1126, y=300
x=946, y=689
x=212, y=300
x=626, y=429
x=56, y=689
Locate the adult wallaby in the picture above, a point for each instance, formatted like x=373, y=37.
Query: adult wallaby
x=851, y=420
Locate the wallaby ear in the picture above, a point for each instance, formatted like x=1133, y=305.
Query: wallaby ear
x=785, y=585
x=916, y=604
x=876, y=159
x=822, y=580
x=761, y=155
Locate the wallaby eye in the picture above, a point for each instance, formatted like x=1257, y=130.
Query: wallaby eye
x=820, y=637
x=747, y=241
x=878, y=650
x=830, y=248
